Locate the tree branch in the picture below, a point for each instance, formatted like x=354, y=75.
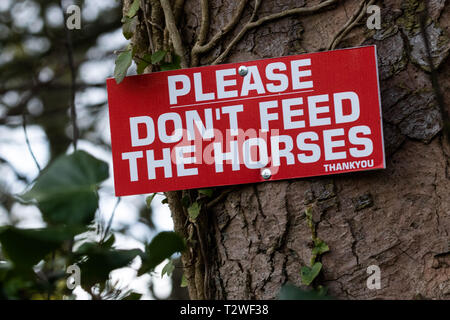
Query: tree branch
x=350, y=24
x=202, y=34
x=147, y=26
x=197, y=50
x=253, y=24
x=156, y=22
x=30, y=150
x=173, y=32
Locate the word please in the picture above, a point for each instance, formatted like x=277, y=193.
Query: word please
x=276, y=81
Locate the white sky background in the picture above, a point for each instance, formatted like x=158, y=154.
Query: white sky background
x=13, y=148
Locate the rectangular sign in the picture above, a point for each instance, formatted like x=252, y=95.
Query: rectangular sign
x=291, y=117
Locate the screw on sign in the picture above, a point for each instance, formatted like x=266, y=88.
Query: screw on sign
x=282, y=118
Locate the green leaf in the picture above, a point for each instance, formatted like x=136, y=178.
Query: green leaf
x=26, y=247
x=123, y=62
x=320, y=247
x=133, y=296
x=158, y=56
x=194, y=211
x=162, y=247
x=149, y=200
x=97, y=262
x=291, y=292
x=168, y=269
x=66, y=191
x=309, y=274
x=206, y=192
x=143, y=63
x=184, y=282
x=134, y=8
x=186, y=201
x=108, y=243
x=129, y=26
x=174, y=65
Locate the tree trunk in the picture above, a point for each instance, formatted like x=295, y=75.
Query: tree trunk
x=257, y=237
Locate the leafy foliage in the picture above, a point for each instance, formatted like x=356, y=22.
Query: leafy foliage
x=26, y=247
x=134, y=8
x=168, y=269
x=291, y=292
x=123, y=62
x=129, y=26
x=158, y=56
x=160, y=248
x=206, y=192
x=184, y=282
x=194, y=211
x=174, y=65
x=310, y=273
x=149, y=199
x=98, y=261
x=66, y=194
x=66, y=191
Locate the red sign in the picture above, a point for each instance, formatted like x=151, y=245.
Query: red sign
x=290, y=117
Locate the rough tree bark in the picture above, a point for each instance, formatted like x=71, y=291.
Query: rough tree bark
x=255, y=238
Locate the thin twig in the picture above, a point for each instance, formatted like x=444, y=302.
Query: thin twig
x=173, y=32
x=73, y=111
x=156, y=20
x=30, y=150
x=239, y=36
x=203, y=33
x=146, y=22
x=359, y=14
x=108, y=227
x=157, y=26
x=253, y=24
x=219, y=198
x=200, y=49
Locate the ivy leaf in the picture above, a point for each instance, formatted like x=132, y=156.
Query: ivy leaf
x=98, y=262
x=206, y=192
x=174, y=65
x=143, y=63
x=158, y=56
x=129, y=26
x=162, y=247
x=184, y=282
x=168, y=269
x=26, y=247
x=149, y=199
x=194, y=211
x=66, y=191
x=309, y=274
x=108, y=243
x=134, y=8
x=291, y=292
x=186, y=201
x=123, y=62
x=320, y=247
x=133, y=296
